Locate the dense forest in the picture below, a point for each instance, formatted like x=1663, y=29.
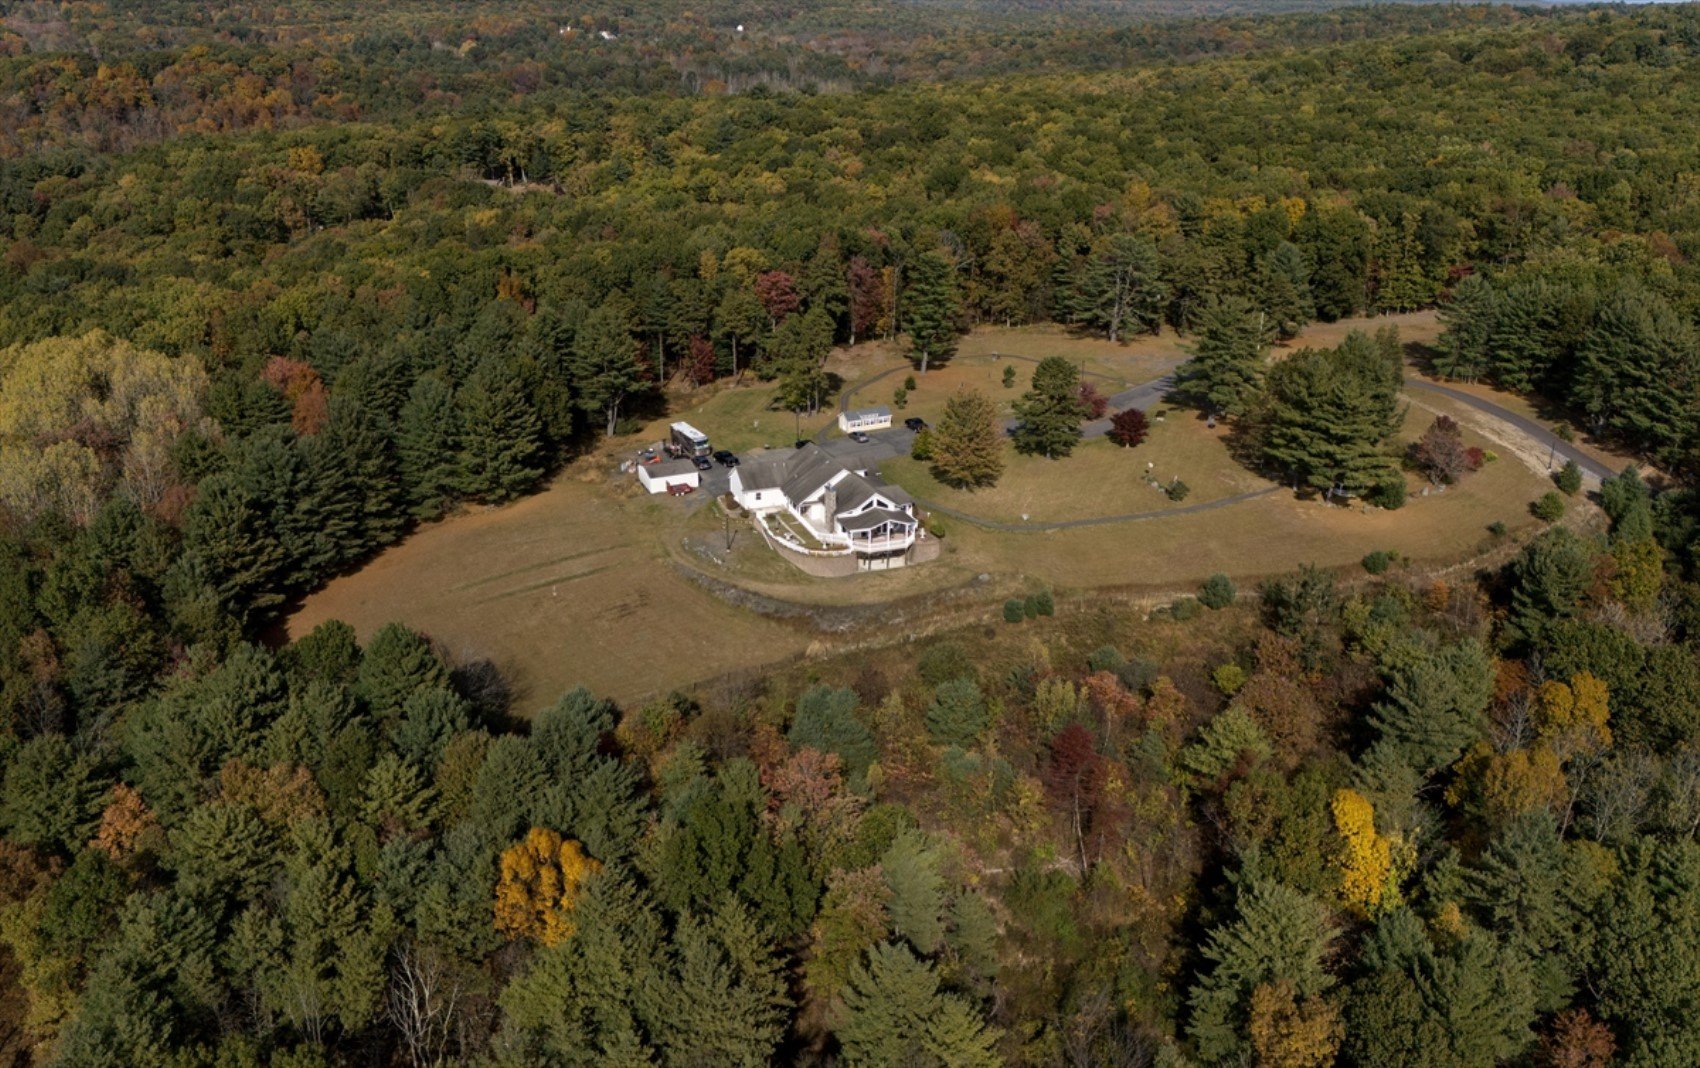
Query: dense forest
x=279, y=283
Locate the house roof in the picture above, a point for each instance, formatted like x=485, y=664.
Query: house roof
x=873, y=517
x=880, y=412
x=856, y=490
x=669, y=467
x=811, y=468
x=763, y=472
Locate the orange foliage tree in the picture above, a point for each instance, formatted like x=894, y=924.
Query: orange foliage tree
x=539, y=885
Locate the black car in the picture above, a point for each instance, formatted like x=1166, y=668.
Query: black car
x=725, y=459
x=915, y=423
x=703, y=463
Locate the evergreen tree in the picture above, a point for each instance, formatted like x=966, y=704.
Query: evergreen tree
x=1049, y=413
x=501, y=444
x=930, y=309
x=225, y=529
x=957, y=714
x=967, y=443
x=1432, y=710
x=356, y=500
x=429, y=444
x=1229, y=359
x=1276, y=934
x=894, y=1013
x=398, y=664
x=1637, y=367
x=1283, y=290
x=1330, y=412
x=826, y=720
x=604, y=366
x=1468, y=314
x=1548, y=580
x=1121, y=290
x=796, y=351
x=740, y=319
x=727, y=992
x=912, y=874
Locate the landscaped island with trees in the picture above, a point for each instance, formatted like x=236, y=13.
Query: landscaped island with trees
x=284, y=285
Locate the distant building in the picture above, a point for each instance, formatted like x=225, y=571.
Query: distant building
x=864, y=419
x=809, y=502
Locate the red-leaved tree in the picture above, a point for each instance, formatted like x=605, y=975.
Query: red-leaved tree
x=1129, y=428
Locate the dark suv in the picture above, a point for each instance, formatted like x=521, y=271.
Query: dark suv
x=725, y=459
x=915, y=423
x=703, y=463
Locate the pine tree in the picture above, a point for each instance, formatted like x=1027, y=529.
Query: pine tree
x=1121, y=290
x=1637, y=367
x=352, y=465
x=501, y=446
x=1432, y=709
x=967, y=443
x=894, y=1013
x=796, y=351
x=1050, y=412
x=916, y=884
x=1548, y=580
x=226, y=530
x=957, y=714
x=1277, y=934
x=1283, y=290
x=727, y=992
x=1468, y=314
x=1330, y=413
x=398, y=663
x=604, y=366
x=1524, y=342
x=1229, y=359
x=429, y=443
x=931, y=305
x=740, y=319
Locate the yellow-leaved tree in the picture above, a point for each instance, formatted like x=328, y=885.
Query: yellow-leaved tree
x=1575, y=717
x=539, y=885
x=1372, y=864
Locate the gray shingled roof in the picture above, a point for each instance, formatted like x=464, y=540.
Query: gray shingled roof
x=873, y=517
x=670, y=467
x=811, y=468
x=764, y=472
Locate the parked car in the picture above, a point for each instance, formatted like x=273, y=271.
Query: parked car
x=915, y=423
x=725, y=459
x=859, y=438
x=703, y=463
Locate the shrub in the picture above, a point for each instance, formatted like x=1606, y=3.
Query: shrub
x=936, y=526
x=1496, y=528
x=1564, y=432
x=900, y=398
x=923, y=447
x=1217, y=592
x=1569, y=478
x=1184, y=609
x=1228, y=678
x=1550, y=508
x=909, y=383
x=1177, y=490
x=1390, y=493
x=1378, y=562
x=1009, y=376
x=1014, y=610
x=1106, y=658
x=1138, y=674
x=1043, y=604
x=944, y=662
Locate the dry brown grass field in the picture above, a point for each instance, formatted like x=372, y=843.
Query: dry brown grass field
x=565, y=587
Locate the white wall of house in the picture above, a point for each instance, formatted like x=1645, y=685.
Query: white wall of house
x=657, y=483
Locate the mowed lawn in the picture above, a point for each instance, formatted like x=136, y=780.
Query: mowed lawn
x=1097, y=479
x=1263, y=536
x=567, y=587
x=739, y=418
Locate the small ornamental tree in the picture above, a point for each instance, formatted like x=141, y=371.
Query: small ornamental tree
x=539, y=886
x=1129, y=428
x=1093, y=403
x=1569, y=478
x=1550, y=507
x=1440, y=453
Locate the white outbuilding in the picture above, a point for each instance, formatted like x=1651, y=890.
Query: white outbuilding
x=864, y=419
x=669, y=476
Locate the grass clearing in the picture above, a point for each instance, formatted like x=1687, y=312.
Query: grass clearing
x=1098, y=479
x=570, y=586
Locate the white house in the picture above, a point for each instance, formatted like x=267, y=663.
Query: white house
x=809, y=491
x=864, y=419
x=664, y=475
